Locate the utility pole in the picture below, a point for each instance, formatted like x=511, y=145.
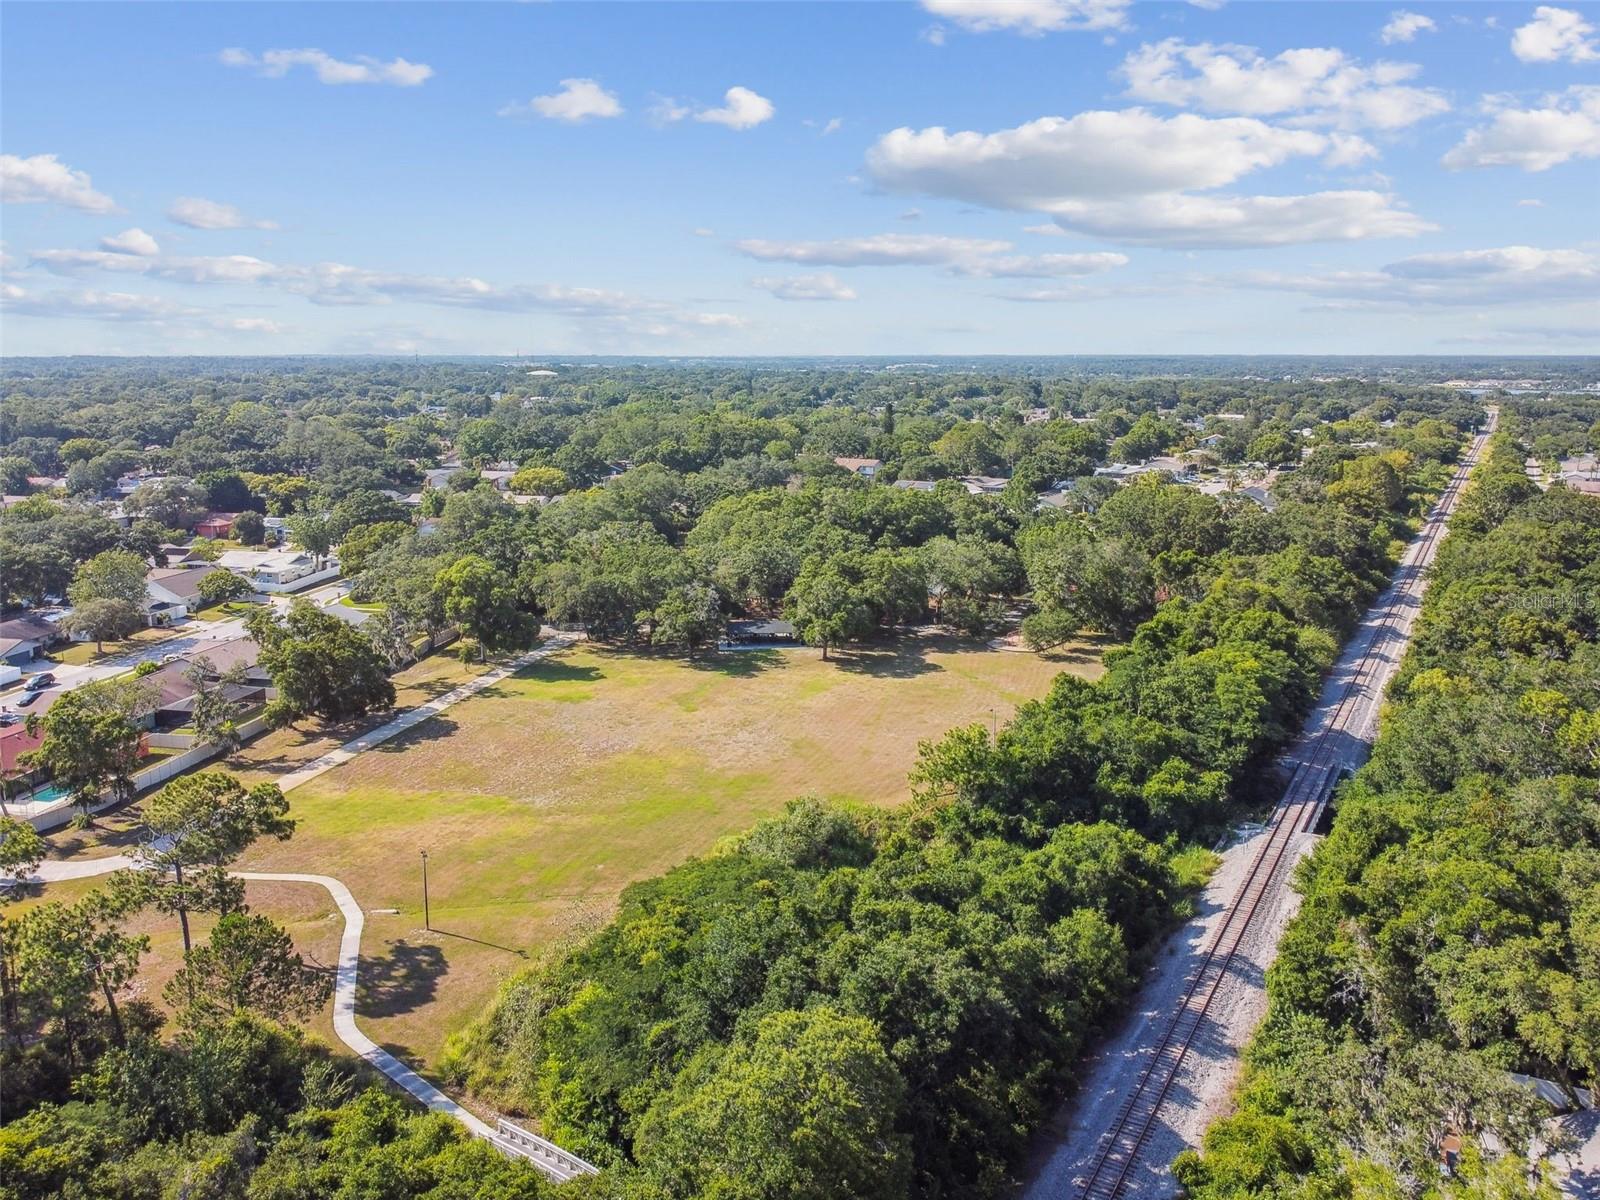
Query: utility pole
x=427, y=919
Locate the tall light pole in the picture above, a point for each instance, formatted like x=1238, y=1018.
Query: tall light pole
x=427, y=919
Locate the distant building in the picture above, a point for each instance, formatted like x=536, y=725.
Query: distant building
x=915, y=485
x=984, y=485
x=24, y=638
x=867, y=468
x=1119, y=471
x=276, y=570
x=215, y=525
x=761, y=631
x=1177, y=467
x=438, y=477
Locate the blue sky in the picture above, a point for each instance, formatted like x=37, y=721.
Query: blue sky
x=949, y=176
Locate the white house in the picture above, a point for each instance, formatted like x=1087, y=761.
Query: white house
x=277, y=570
x=172, y=593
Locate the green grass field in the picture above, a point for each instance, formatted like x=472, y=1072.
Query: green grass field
x=542, y=798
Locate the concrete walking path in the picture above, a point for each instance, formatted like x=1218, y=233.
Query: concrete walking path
x=413, y=717
x=344, y=999
x=547, y=1156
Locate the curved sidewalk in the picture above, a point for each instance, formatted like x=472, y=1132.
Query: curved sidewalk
x=547, y=1156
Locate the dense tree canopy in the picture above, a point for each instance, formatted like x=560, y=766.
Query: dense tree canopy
x=1448, y=930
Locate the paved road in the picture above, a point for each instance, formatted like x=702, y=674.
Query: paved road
x=196, y=636
x=1155, y=1086
x=548, y=1157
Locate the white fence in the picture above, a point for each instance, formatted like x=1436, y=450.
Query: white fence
x=61, y=813
x=296, y=585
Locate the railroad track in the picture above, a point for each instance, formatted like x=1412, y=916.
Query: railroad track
x=1316, y=761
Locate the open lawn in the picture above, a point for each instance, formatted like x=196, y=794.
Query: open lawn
x=82, y=653
x=539, y=800
x=228, y=609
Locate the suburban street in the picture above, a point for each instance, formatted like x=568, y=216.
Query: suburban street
x=1153, y=1088
x=192, y=638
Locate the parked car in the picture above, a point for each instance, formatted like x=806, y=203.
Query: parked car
x=38, y=683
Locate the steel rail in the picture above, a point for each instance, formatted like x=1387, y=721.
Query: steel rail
x=1302, y=802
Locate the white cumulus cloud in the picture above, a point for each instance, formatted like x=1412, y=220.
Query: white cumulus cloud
x=578, y=100
x=131, y=241
x=45, y=179
x=275, y=64
x=1132, y=176
x=804, y=287
x=199, y=213
x=1404, y=26
x=1318, y=85
x=1566, y=126
x=741, y=109
x=1555, y=35
x=1032, y=18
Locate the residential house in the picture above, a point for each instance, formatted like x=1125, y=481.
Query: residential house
x=215, y=525
x=127, y=484
x=984, y=485
x=1176, y=467
x=867, y=468
x=172, y=593
x=1034, y=416
x=439, y=477
x=175, y=691
x=915, y=485
x=1121, y=472
x=15, y=740
x=1057, y=498
x=277, y=570
x=24, y=638
x=235, y=652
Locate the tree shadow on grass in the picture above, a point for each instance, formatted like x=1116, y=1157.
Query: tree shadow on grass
x=899, y=657
x=738, y=664
x=68, y=842
x=432, y=689
x=403, y=981
x=433, y=729
x=553, y=670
